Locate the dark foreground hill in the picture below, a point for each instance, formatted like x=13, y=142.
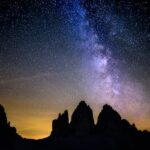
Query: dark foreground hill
x=110, y=133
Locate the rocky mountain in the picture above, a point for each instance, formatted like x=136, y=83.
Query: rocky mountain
x=82, y=121
x=111, y=132
x=7, y=133
x=109, y=121
x=60, y=126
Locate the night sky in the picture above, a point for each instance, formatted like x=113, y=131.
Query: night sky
x=54, y=53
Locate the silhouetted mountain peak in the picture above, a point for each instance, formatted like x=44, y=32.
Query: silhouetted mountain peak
x=110, y=112
x=82, y=121
x=82, y=104
x=108, y=107
x=3, y=117
x=109, y=120
x=60, y=125
x=4, y=124
x=63, y=116
x=111, y=132
x=7, y=133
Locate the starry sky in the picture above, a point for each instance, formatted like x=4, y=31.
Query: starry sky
x=54, y=53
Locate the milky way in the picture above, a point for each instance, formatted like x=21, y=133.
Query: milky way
x=54, y=53
x=107, y=82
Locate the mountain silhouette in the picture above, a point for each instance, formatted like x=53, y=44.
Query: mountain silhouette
x=82, y=121
x=108, y=120
x=8, y=135
x=111, y=132
x=60, y=126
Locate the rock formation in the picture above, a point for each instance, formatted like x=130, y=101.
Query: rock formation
x=7, y=133
x=111, y=132
x=3, y=118
x=82, y=121
x=60, y=126
x=127, y=128
x=108, y=121
x=4, y=124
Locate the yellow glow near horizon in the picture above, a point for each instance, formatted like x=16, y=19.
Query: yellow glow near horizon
x=38, y=125
x=30, y=122
x=32, y=127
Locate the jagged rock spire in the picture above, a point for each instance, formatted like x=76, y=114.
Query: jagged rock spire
x=3, y=118
x=108, y=120
x=60, y=126
x=82, y=121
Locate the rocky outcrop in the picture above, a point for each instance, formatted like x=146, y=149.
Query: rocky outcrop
x=82, y=122
x=5, y=127
x=7, y=133
x=60, y=126
x=108, y=121
x=3, y=118
x=127, y=128
x=110, y=132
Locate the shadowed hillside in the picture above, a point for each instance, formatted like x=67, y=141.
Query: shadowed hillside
x=111, y=132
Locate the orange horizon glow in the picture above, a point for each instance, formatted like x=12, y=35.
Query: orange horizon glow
x=37, y=125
